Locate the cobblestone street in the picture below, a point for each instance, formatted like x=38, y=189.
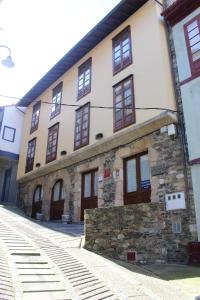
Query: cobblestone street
x=45, y=260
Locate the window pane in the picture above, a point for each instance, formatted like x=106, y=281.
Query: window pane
x=126, y=48
x=80, y=81
x=95, y=184
x=37, y=194
x=131, y=176
x=195, y=40
x=118, y=115
x=63, y=194
x=118, y=61
x=56, y=191
x=127, y=93
x=87, y=72
x=192, y=26
x=117, y=48
x=87, y=185
x=125, y=42
x=193, y=32
x=117, y=54
x=118, y=89
x=196, y=56
x=145, y=172
x=126, y=55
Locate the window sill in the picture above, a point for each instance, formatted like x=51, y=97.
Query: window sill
x=79, y=147
x=122, y=68
x=83, y=95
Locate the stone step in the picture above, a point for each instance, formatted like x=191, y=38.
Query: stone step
x=18, y=252
x=90, y=289
x=84, y=282
x=24, y=263
x=46, y=296
x=36, y=272
x=27, y=259
x=42, y=287
x=96, y=295
x=38, y=278
x=33, y=266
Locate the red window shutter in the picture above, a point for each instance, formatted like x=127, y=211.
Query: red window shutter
x=192, y=36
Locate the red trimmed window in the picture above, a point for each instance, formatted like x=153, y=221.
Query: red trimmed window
x=56, y=100
x=124, y=107
x=122, y=53
x=30, y=155
x=52, y=143
x=35, y=116
x=84, y=78
x=82, y=126
x=192, y=35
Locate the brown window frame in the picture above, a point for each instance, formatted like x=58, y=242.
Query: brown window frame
x=30, y=160
x=57, y=104
x=118, y=41
x=61, y=184
x=124, y=123
x=93, y=173
x=53, y=155
x=39, y=186
x=194, y=65
x=86, y=89
x=128, y=196
x=35, y=117
x=81, y=111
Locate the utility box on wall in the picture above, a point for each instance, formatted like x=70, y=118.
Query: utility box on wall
x=175, y=201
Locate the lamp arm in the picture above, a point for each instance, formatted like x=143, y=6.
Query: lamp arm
x=6, y=47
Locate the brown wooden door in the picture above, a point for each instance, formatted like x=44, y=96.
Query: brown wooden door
x=137, y=188
x=37, y=201
x=89, y=191
x=57, y=208
x=57, y=201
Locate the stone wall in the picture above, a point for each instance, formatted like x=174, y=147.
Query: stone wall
x=145, y=229
x=167, y=176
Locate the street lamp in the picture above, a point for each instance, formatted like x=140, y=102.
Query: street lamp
x=7, y=62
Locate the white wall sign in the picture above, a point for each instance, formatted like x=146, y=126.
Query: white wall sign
x=175, y=201
x=100, y=178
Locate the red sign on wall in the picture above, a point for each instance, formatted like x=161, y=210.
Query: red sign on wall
x=106, y=173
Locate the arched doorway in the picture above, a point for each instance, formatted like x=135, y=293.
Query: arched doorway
x=37, y=201
x=57, y=201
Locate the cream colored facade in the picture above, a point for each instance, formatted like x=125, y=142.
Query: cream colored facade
x=152, y=88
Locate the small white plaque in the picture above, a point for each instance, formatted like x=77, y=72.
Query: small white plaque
x=100, y=178
x=175, y=201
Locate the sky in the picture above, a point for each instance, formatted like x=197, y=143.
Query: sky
x=39, y=33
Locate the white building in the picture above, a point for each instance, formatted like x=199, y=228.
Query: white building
x=184, y=18
x=11, y=123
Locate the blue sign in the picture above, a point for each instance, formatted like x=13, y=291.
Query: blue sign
x=145, y=184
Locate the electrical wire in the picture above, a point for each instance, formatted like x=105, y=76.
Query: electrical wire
x=94, y=106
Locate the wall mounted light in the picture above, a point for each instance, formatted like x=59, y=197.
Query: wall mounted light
x=99, y=136
x=37, y=165
x=63, y=152
x=7, y=62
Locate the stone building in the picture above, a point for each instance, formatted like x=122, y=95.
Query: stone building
x=102, y=133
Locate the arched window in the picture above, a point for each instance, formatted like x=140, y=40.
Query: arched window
x=38, y=194
x=58, y=191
